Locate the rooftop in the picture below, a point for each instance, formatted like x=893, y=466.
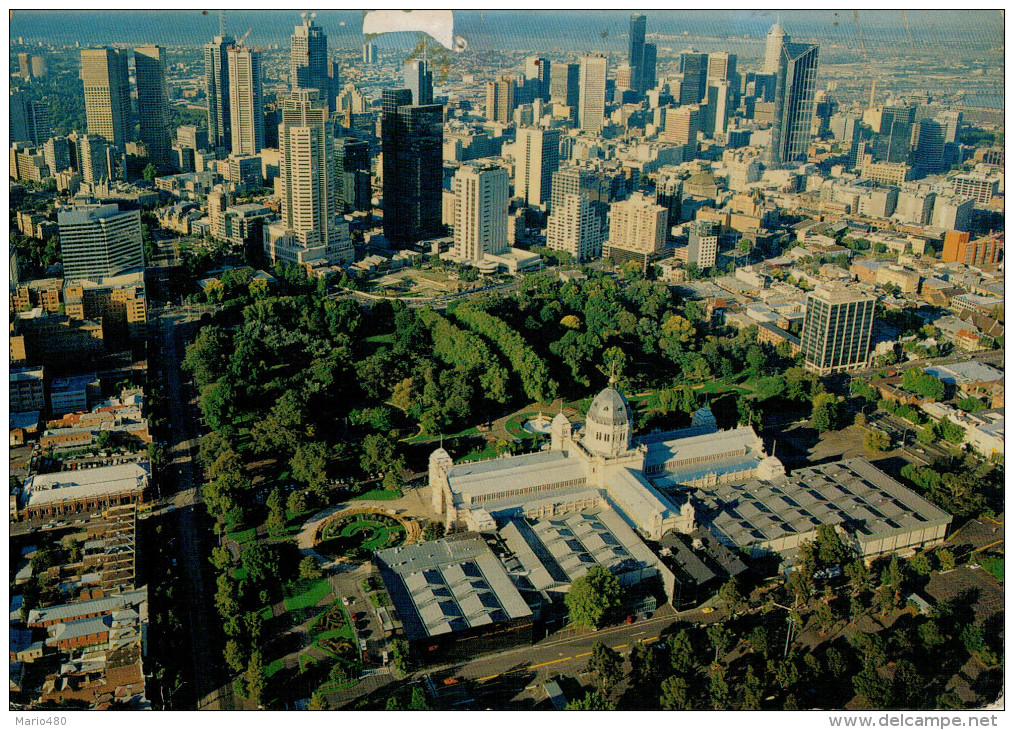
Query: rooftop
x=103, y=480
x=851, y=492
x=448, y=585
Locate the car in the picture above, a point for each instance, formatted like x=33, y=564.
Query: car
x=630, y=619
x=707, y=610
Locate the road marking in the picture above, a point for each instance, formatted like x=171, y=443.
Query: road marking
x=996, y=522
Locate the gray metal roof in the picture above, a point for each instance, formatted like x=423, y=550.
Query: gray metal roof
x=853, y=492
x=448, y=585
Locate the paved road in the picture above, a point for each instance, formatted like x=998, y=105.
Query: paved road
x=179, y=484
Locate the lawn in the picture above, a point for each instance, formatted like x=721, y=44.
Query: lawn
x=360, y=535
x=242, y=536
x=309, y=594
x=478, y=454
x=274, y=667
x=994, y=564
x=380, y=494
x=387, y=339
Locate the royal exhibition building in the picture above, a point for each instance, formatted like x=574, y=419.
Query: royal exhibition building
x=668, y=513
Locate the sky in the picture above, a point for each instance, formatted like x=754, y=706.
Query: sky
x=602, y=31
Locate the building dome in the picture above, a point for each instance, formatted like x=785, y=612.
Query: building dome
x=609, y=408
x=608, y=425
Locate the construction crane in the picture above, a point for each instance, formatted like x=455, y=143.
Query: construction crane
x=239, y=43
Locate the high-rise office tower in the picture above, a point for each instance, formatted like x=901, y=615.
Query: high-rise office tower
x=682, y=125
x=39, y=67
x=192, y=137
x=928, y=156
x=500, y=100
x=794, y=100
x=99, y=241
x=574, y=226
x=352, y=165
x=480, y=211
x=537, y=73
x=412, y=145
x=419, y=80
x=152, y=102
x=92, y=161
x=537, y=158
x=309, y=202
x=57, y=154
x=638, y=224
x=25, y=66
x=29, y=119
x=646, y=77
x=308, y=60
x=565, y=87
x=669, y=194
x=635, y=48
x=694, y=87
x=369, y=53
x=216, y=86
x=721, y=66
x=246, y=105
x=773, y=48
x=716, y=111
x=702, y=248
x=592, y=103
x=836, y=329
x=107, y=94
x=894, y=140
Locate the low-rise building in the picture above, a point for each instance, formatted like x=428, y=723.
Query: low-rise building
x=45, y=496
x=872, y=512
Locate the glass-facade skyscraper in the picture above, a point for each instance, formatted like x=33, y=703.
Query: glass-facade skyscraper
x=412, y=144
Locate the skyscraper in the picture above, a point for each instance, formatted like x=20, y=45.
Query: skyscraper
x=716, y=112
x=565, y=87
x=216, y=86
x=537, y=157
x=537, y=74
x=152, y=102
x=29, y=119
x=773, y=48
x=647, y=78
x=836, y=329
x=894, y=141
x=419, y=80
x=592, y=103
x=638, y=224
x=480, y=211
x=352, y=165
x=107, y=94
x=99, y=241
x=702, y=244
x=25, y=66
x=500, y=100
x=694, y=87
x=369, y=53
x=635, y=48
x=574, y=226
x=793, y=113
x=246, y=106
x=682, y=125
x=308, y=60
x=309, y=201
x=412, y=145
x=92, y=162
